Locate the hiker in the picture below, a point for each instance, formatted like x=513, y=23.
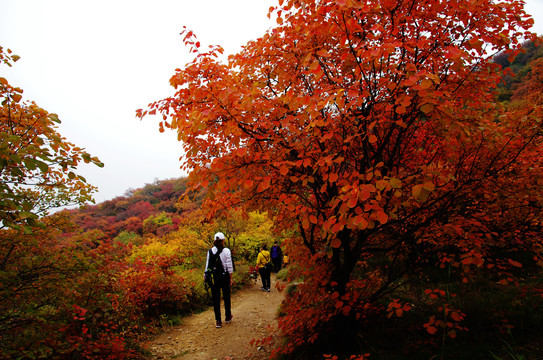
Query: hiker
x=285, y=260
x=219, y=265
x=277, y=257
x=263, y=262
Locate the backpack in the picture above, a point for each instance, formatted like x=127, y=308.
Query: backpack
x=215, y=269
x=267, y=265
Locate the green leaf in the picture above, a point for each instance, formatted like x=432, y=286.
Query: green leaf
x=15, y=158
x=30, y=164
x=43, y=166
x=54, y=118
x=23, y=215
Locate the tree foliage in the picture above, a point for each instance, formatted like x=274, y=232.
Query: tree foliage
x=37, y=164
x=70, y=290
x=371, y=127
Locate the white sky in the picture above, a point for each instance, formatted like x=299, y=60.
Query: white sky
x=95, y=62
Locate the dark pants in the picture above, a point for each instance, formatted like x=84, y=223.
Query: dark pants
x=277, y=264
x=265, y=276
x=222, y=284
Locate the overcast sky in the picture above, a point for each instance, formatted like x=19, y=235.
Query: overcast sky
x=95, y=62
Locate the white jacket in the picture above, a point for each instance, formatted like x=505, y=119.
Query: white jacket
x=226, y=259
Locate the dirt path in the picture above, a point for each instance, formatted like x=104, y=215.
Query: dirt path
x=197, y=338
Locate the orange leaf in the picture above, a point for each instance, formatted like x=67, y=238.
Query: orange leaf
x=353, y=201
x=365, y=193
x=264, y=185
x=381, y=184
x=360, y=222
x=335, y=243
x=514, y=263
x=420, y=194
x=427, y=108
x=382, y=217
x=425, y=84
x=429, y=186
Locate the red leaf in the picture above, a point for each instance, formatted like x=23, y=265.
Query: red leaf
x=335, y=243
x=514, y=263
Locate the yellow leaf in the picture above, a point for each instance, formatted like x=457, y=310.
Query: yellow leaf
x=395, y=183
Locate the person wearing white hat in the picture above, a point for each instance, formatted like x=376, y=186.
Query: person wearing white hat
x=219, y=263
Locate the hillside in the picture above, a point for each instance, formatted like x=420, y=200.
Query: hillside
x=129, y=212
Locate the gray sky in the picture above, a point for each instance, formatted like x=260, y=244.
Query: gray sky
x=95, y=62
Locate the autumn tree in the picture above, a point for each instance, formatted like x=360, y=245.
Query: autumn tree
x=38, y=172
x=371, y=127
x=38, y=164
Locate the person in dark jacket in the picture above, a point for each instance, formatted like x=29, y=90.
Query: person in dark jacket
x=277, y=257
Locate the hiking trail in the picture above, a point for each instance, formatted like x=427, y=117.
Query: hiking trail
x=197, y=338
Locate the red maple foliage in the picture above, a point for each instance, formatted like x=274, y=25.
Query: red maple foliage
x=371, y=129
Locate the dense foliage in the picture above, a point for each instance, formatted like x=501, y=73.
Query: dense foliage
x=372, y=131
x=405, y=179
x=88, y=284
x=94, y=282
